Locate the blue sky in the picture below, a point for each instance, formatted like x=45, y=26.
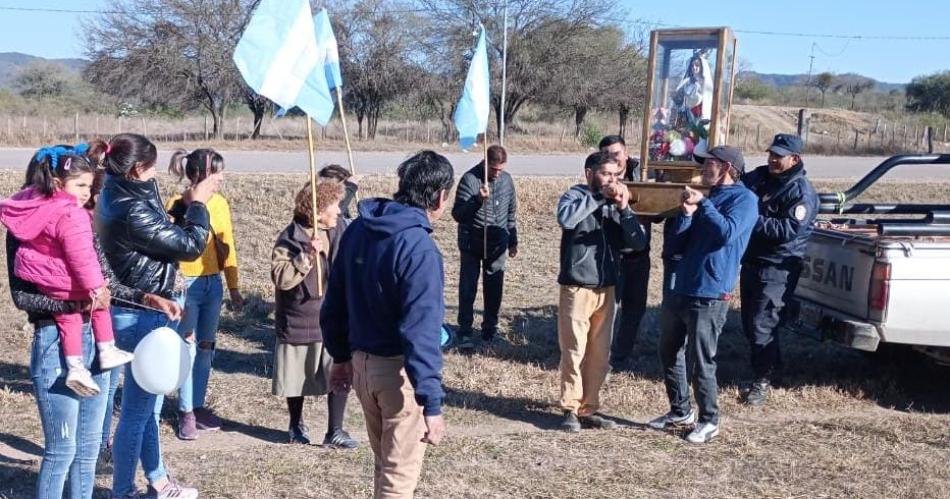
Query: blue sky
x=897, y=61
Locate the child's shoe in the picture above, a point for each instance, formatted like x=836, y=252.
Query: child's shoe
x=79, y=380
x=111, y=357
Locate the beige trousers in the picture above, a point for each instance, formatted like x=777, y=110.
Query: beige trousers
x=584, y=329
x=394, y=423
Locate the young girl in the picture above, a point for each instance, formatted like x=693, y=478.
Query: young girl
x=203, y=293
x=301, y=363
x=57, y=254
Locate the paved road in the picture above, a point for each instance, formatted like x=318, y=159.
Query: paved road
x=529, y=164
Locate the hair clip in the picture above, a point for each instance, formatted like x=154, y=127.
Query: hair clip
x=68, y=164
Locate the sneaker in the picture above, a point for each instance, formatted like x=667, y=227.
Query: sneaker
x=703, y=433
x=671, y=419
x=570, y=423
x=758, y=395
x=206, y=420
x=300, y=434
x=466, y=343
x=172, y=490
x=79, y=380
x=339, y=439
x=597, y=422
x=186, y=426
x=111, y=357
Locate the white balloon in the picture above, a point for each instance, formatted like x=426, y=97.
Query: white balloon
x=162, y=361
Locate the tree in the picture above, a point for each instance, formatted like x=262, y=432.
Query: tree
x=823, y=83
x=43, y=79
x=537, y=32
x=174, y=53
x=753, y=89
x=375, y=58
x=854, y=86
x=929, y=94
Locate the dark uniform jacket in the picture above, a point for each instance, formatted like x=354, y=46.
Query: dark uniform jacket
x=788, y=206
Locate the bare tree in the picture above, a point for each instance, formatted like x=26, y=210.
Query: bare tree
x=823, y=83
x=854, y=86
x=173, y=53
x=537, y=32
x=375, y=57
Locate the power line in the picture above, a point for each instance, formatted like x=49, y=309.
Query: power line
x=615, y=19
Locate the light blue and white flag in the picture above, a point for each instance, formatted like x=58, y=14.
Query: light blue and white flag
x=471, y=113
x=278, y=57
x=327, y=49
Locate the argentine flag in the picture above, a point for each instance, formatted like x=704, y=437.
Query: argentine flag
x=471, y=113
x=327, y=49
x=278, y=57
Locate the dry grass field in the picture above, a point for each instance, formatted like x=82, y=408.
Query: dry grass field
x=845, y=424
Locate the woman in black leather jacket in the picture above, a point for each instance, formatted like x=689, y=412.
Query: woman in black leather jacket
x=74, y=454
x=143, y=246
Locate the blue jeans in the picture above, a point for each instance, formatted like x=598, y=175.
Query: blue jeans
x=72, y=425
x=689, y=336
x=202, y=310
x=136, y=436
x=115, y=375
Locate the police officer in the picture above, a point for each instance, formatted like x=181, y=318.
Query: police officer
x=772, y=263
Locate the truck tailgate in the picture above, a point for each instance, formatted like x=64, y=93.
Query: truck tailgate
x=837, y=272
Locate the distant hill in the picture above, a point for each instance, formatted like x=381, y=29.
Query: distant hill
x=12, y=62
x=779, y=80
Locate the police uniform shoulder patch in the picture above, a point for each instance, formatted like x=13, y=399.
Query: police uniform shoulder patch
x=800, y=212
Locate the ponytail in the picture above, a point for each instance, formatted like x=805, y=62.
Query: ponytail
x=196, y=165
x=177, y=164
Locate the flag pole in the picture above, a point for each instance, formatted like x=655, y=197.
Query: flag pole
x=313, y=202
x=485, y=229
x=346, y=135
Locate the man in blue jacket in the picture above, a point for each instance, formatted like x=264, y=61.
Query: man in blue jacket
x=382, y=319
x=711, y=234
x=772, y=264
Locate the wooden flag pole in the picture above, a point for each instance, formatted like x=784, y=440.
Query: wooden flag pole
x=313, y=202
x=485, y=229
x=346, y=135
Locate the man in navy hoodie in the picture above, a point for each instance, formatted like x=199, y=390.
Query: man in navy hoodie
x=711, y=234
x=382, y=319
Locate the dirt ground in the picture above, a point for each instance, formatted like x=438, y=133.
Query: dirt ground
x=844, y=424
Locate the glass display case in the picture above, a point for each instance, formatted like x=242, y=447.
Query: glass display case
x=690, y=79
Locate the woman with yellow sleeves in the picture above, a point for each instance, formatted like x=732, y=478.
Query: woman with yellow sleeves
x=204, y=293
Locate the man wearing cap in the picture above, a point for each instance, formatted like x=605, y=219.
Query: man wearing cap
x=711, y=234
x=772, y=263
x=634, y=279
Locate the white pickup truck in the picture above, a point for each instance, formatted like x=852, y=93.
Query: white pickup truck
x=872, y=281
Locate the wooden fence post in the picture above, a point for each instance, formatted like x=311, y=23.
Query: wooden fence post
x=930, y=140
x=856, y=137
x=76, y=127
x=206, y=127
x=804, y=117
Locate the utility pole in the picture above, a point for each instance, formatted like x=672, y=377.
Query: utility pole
x=504, y=75
x=811, y=65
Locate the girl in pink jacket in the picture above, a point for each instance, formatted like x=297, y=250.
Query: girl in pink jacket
x=58, y=255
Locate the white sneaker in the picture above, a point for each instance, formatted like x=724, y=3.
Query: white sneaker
x=670, y=419
x=173, y=491
x=79, y=380
x=111, y=357
x=703, y=433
